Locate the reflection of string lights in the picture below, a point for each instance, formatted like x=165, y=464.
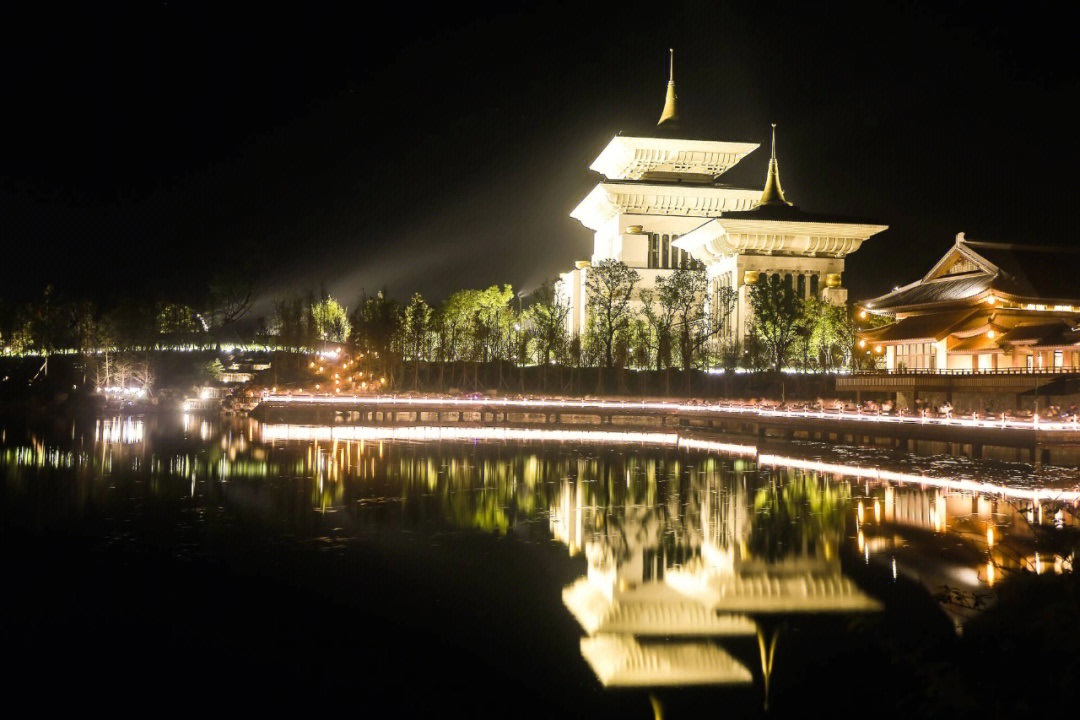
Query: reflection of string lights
x=328, y=433
x=115, y=430
x=274, y=432
x=621, y=405
x=968, y=486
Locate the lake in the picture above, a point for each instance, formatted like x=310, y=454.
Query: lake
x=197, y=562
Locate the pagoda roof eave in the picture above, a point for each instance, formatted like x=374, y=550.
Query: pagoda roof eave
x=630, y=157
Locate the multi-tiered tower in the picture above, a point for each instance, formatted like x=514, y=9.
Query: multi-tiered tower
x=661, y=205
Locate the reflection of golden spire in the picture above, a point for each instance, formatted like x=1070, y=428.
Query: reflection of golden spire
x=772, y=194
x=670, y=114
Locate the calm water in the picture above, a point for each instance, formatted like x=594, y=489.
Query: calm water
x=589, y=576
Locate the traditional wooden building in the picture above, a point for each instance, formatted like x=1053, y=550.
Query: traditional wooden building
x=983, y=308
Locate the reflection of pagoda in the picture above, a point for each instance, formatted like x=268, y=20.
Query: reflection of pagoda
x=770, y=561
x=631, y=597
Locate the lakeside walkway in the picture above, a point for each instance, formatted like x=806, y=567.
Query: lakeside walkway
x=1035, y=441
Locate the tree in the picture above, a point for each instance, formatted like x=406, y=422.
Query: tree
x=683, y=292
x=177, y=319
x=610, y=286
x=415, y=326
x=777, y=311
x=290, y=324
x=494, y=320
x=378, y=321
x=832, y=333
x=659, y=319
x=455, y=320
x=548, y=315
x=331, y=320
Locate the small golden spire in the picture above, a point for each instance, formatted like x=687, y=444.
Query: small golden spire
x=773, y=194
x=670, y=114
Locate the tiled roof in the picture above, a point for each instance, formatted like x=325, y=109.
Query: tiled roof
x=974, y=344
x=1042, y=334
x=1027, y=271
x=934, y=326
x=934, y=291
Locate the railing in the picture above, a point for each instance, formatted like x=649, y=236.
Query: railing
x=1062, y=370
x=1002, y=423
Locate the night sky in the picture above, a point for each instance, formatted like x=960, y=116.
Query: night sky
x=429, y=150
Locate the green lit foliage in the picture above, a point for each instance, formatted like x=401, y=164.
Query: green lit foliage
x=494, y=319
x=416, y=328
x=176, y=319
x=659, y=318
x=330, y=320
x=682, y=293
x=800, y=518
x=455, y=320
x=777, y=315
x=547, y=315
x=212, y=370
x=610, y=286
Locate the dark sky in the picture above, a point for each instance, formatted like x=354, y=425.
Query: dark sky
x=428, y=150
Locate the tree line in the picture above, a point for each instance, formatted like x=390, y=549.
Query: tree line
x=673, y=325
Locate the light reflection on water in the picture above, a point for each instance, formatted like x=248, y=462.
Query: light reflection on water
x=681, y=536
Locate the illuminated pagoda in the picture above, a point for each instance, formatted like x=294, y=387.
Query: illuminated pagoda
x=984, y=307
x=661, y=206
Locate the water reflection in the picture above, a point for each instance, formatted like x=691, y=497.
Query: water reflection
x=685, y=545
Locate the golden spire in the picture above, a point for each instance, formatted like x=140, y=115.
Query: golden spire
x=670, y=114
x=772, y=194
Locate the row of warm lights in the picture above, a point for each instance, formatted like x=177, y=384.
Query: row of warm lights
x=328, y=433
x=272, y=432
x=992, y=300
x=967, y=486
x=1034, y=424
x=129, y=391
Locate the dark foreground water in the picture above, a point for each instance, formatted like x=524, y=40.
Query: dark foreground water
x=161, y=564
